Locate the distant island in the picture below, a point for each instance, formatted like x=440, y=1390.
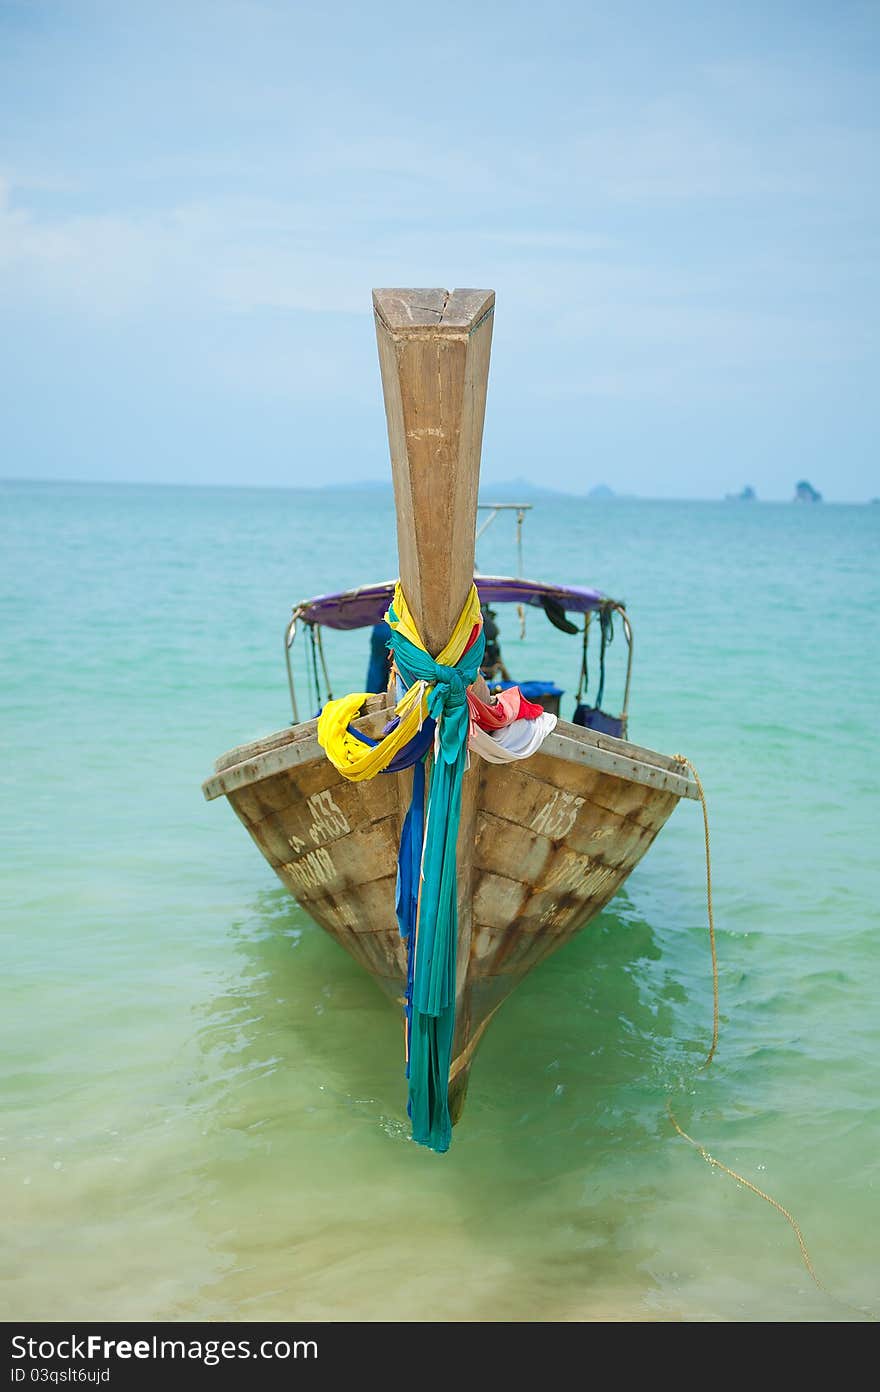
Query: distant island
x=748, y=495
x=518, y=490
x=806, y=493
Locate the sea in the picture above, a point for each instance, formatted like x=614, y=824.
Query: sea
x=203, y=1098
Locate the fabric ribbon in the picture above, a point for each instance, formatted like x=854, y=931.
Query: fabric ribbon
x=432, y=934
x=427, y=888
x=356, y=757
x=436, y=696
x=517, y=740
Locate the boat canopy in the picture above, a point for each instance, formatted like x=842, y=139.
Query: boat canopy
x=367, y=605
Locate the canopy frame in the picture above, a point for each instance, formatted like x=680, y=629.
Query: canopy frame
x=373, y=600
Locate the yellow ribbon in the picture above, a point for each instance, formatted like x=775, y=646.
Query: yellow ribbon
x=350, y=755
x=405, y=625
x=357, y=761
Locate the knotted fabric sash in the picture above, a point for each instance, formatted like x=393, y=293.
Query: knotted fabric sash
x=436, y=709
x=427, y=890
x=357, y=758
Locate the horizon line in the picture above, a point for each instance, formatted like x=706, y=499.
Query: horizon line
x=386, y=485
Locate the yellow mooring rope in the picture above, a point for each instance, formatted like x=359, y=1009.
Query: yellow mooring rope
x=719, y=1165
x=710, y=1159
x=714, y=1045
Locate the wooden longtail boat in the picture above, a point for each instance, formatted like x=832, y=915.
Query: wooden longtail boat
x=543, y=844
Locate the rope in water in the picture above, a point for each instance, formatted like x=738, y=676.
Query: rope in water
x=680, y=758
x=710, y=1159
x=741, y=1179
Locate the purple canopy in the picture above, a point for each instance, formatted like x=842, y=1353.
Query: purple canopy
x=358, y=608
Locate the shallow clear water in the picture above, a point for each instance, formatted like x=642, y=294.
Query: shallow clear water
x=203, y=1102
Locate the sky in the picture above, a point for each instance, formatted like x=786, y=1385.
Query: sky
x=676, y=205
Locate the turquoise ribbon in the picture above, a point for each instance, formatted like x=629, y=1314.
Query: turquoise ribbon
x=432, y=1019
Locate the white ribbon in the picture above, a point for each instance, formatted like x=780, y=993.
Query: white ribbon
x=517, y=740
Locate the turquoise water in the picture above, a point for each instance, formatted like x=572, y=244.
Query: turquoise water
x=203, y=1103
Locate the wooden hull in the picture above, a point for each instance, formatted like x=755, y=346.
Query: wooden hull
x=543, y=845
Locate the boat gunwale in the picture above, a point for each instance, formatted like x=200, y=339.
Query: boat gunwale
x=572, y=743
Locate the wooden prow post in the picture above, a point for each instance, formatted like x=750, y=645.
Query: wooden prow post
x=434, y=354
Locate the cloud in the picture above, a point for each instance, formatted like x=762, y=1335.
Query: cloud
x=698, y=229
x=103, y=265
x=219, y=273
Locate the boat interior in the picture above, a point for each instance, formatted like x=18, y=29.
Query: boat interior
x=590, y=617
